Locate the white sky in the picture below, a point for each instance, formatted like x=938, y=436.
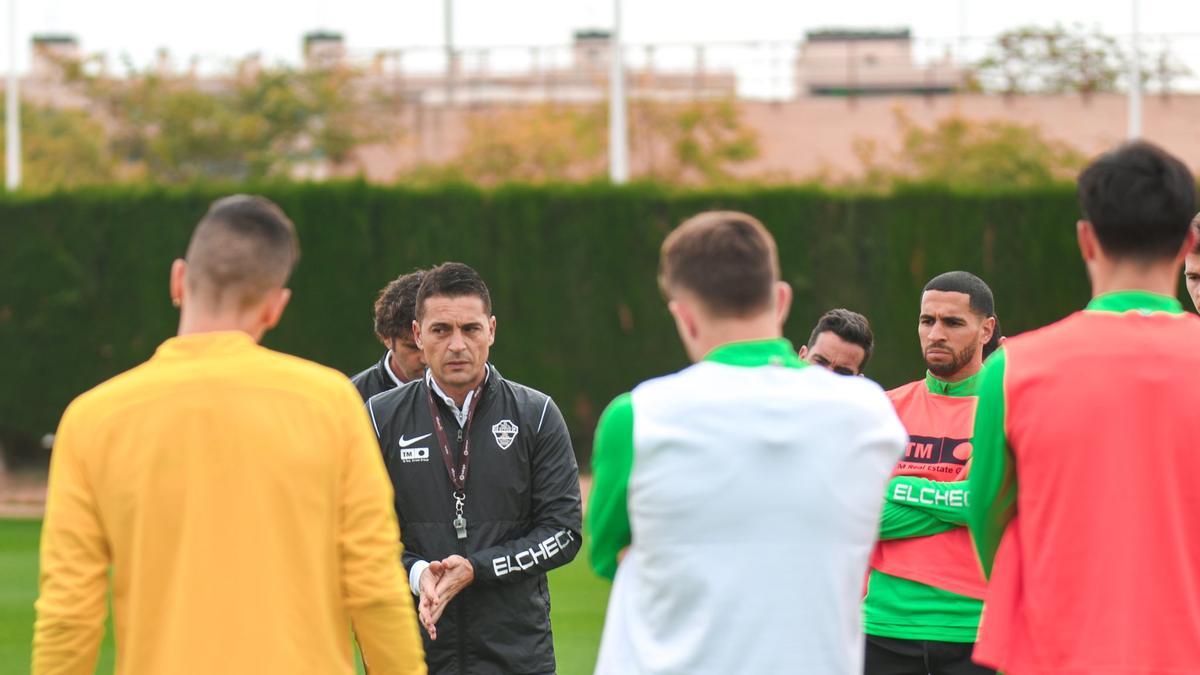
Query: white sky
x=219, y=29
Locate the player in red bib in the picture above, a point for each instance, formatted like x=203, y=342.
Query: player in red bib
x=1084, y=508
x=925, y=590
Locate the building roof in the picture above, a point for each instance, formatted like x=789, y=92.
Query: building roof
x=844, y=34
x=322, y=36
x=55, y=39
x=593, y=34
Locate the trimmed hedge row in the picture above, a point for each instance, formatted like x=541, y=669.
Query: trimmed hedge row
x=572, y=269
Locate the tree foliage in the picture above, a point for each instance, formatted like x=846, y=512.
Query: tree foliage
x=1055, y=60
x=964, y=153
x=161, y=127
x=536, y=144
x=261, y=123
x=62, y=148
x=697, y=143
x=1075, y=60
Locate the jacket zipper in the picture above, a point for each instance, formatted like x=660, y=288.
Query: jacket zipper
x=462, y=550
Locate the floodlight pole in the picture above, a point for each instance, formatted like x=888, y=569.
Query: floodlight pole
x=1135, y=79
x=448, y=38
x=12, y=139
x=962, y=31
x=618, y=131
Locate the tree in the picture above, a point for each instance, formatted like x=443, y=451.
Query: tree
x=536, y=144
x=961, y=152
x=1056, y=60
x=62, y=148
x=698, y=142
x=260, y=123
x=1163, y=69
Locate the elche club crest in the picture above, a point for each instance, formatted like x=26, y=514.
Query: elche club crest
x=505, y=432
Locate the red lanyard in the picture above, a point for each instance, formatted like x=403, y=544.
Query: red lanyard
x=456, y=470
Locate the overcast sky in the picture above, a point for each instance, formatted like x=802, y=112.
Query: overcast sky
x=217, y=29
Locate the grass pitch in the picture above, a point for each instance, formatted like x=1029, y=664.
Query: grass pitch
x=577, y=614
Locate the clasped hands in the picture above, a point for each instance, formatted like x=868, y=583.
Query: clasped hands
x=440, y=582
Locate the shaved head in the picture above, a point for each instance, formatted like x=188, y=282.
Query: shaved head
x=243, y=248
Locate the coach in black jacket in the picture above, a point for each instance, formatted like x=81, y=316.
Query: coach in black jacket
x=403, y=362
x=487, y=489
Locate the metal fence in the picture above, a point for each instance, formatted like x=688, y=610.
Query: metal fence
x=775, y=70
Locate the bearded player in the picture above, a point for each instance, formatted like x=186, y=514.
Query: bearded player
x=1191, y=268
x=925, y=590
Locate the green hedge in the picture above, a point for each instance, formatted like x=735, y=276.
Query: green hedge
x=83, y=294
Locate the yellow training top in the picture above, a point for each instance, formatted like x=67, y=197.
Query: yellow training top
x=241, y=501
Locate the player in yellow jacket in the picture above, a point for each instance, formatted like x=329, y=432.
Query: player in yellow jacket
x=236, y=495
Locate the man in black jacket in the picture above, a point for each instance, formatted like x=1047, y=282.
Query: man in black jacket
x=403, y=361
x=487, y=488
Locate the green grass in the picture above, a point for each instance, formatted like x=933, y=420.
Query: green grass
x=578, y=597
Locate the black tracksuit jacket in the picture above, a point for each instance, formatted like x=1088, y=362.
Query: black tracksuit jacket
x=523, y=515
x=374, y=380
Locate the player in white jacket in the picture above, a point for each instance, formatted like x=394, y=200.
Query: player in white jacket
x=737, y=500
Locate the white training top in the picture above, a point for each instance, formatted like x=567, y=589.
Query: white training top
x=754, y=503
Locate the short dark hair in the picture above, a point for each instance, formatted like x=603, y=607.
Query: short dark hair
x=982, y=302
x=395, y=308
x=1196, y=227
x=244, y=247
x=994, y=343
x=1140, y=200
x=849, y=326
x=452, y=280
x=728, y=259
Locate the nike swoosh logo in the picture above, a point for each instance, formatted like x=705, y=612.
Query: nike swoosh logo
x=404, y=443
